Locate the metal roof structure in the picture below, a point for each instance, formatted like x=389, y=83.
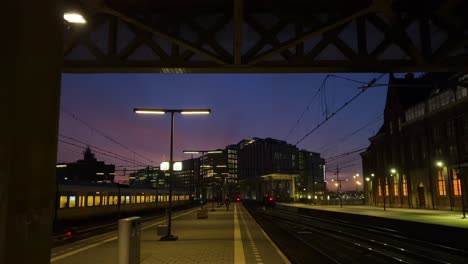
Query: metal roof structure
x=266, y=36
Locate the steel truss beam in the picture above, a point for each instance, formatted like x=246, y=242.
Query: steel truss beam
x=273, y=36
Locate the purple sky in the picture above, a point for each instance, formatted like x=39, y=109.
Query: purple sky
x=243, y=106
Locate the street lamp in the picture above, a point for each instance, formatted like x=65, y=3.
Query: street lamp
x=203, y=152
x=151, y=111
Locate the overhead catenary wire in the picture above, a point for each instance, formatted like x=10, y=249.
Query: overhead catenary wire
x=99, y=152
x=345, y=154
x=326, y=147
x=101, y=149
x=373, y=81
x=76, y=118
x=321, y=88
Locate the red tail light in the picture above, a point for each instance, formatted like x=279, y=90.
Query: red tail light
x=237, y=199
x=270, y=199
x=69, y=234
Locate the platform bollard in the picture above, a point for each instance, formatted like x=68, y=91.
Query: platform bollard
x=129, y=240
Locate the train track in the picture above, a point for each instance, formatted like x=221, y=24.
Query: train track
x=345, y=242
x=79, y=231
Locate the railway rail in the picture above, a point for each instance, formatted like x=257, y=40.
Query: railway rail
x=337, y=241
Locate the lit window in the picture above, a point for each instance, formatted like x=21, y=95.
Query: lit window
x=395, y=185
x=380, y=188
x=405, y=185
x=82, y=201
x=138, y=199
x=127, y=199
x=116, y=199
x=72, y=201
x=97, y=200
x=122, y=199
x=387, y=191
x=104, y=200
x=90, y=200
x=441, y=183
x=133, y=199
x=456, y=184
x=63, y=201
x=111, y=200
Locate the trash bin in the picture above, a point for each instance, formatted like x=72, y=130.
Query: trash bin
x=129, y=240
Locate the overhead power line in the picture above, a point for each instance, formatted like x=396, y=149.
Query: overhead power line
x=322, y=86
x=99, y=152
x=372, y=82
x=327, y=147
x=73, y=116
x=345, y=154
x=101, y=149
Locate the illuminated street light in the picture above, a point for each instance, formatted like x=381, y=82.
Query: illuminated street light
x=367, y=179
x=393, y=171
x=164, y=166
x=372, y=175
x=61, y=165
x=152, y=111
x=75, y=18
x=439, y=164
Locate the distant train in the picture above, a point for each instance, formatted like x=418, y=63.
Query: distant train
x=75, y=202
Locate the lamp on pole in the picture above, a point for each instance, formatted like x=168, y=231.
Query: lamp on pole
x=150, y=111
x=203, y=153
x=393, y=171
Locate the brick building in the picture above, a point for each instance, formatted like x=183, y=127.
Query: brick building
x=419, y=157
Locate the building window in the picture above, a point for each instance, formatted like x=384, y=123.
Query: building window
x=405, y=185
x=439, y=152
x=452, y=151
x=461, y=92
x=451, y=128
x=441, y=183
x=380, y=188
x=399, y=124
x=395, y=185
x=435, y=133
x=423, y=148
x=391, y=127
x=63, y=201
x=456, y=184
x=387, y=191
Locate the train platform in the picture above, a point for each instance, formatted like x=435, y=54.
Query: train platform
x=224, y=237
x=436, y=217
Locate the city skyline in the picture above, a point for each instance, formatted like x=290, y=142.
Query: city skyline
x=243, y=107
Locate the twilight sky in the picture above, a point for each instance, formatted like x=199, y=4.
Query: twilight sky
x=243, y=106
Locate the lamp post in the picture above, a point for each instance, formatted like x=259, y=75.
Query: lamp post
x=203, y=152
x=151, y=111
x=393, y=171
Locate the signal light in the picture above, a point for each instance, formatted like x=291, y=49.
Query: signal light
x=238, y=199
x=69, y=234
x=270, y=199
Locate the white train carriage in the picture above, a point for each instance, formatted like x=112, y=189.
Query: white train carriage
x=76, y=202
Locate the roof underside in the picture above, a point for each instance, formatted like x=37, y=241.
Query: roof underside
x=209, y=36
